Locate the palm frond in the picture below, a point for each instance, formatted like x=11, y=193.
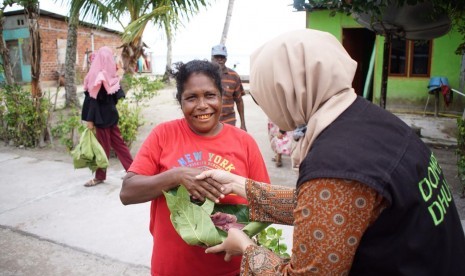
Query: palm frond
x=90, y=10
x=136, y=28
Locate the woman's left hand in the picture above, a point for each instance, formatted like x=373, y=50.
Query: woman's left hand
x=235, y=244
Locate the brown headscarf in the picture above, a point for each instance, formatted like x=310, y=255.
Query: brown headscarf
x=303, y=78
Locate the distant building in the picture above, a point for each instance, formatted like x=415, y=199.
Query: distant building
x=411, y=66
x=53, y=32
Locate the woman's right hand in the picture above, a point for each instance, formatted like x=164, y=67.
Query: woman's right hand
x=90, y=125
x=230, y=183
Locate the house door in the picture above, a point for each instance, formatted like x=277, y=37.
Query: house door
x=359, y=43
x=15, y=59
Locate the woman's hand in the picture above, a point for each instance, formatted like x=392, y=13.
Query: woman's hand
x=90, y=125
x=235, y=244
x=229, y=183
x=199, y=188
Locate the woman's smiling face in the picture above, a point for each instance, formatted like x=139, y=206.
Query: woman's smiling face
x=201, y=104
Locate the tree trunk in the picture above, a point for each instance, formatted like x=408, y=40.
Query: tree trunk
x=227, y=21
x=131, y=52
x=5, y=54
x=169, y=52
x=70, y=62
x=32, y=13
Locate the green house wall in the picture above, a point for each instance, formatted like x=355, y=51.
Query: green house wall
x=403, y=92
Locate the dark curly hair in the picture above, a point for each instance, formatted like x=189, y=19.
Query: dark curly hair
x=185, y=70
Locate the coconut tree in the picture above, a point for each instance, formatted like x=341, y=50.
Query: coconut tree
x=227, y=21
x=167, y=15
x=97, y=12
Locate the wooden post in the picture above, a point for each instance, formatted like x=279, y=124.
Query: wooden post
x=436, y=102
x=384, y=77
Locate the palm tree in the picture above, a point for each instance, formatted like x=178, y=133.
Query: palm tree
x=97, y=12
x=165, y=13
x=227, y=21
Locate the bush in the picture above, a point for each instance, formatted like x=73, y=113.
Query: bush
x=142, y=88
x=23, y=119
x=68, y=130
x=130, y=120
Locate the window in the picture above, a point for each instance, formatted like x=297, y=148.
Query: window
x=398, y=57
x=410, y=58
x=421, y=53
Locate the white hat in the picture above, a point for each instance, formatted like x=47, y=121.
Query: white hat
x=219, y=50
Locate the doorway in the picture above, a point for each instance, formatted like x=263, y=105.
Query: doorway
x=15, y=59
x=359, y=43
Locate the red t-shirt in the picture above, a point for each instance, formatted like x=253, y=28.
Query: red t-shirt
x=173, y=144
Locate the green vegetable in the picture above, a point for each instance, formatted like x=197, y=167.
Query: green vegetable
x=193, y=223
x=89, y=153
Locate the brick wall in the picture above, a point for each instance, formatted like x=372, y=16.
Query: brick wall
x=52, y=30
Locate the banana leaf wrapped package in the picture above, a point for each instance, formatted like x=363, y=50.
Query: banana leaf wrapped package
x=195, y=223
x=89, y=153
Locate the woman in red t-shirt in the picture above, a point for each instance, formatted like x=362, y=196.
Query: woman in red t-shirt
x=174, y=153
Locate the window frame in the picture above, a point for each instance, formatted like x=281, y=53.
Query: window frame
x=406, y=68
x=410, y=48
x=411, y=53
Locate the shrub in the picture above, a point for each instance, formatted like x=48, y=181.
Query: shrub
x=142, y=88
x=130, y=120
x=23, y=119
x=67, y=129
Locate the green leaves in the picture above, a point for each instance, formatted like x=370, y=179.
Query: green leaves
x=193, y=222
x=89, y=153
x=270, y=238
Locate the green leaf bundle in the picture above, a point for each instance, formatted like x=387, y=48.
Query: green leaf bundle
x=193, y=222
x=89, y=153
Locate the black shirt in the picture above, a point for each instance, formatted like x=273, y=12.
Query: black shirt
x=102, y=111
x=419, y=233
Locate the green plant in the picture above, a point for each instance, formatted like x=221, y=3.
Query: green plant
x=142, y=88
x=461, y=153
x=65, y=130
x=130, y=120
x=270, y=238
x=23, y=119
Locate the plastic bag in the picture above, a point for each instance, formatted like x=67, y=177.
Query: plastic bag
x=89, y=153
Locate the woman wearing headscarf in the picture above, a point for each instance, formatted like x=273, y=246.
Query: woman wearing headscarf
x=102, y=92
x=370, y=199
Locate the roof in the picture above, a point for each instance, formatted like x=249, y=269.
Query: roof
x=62, y=17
